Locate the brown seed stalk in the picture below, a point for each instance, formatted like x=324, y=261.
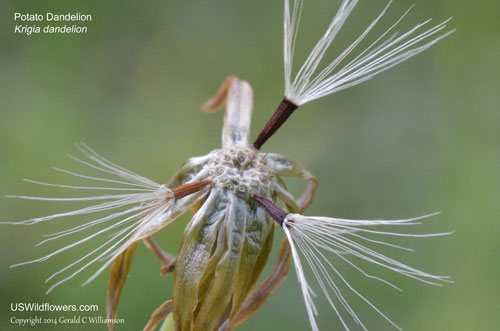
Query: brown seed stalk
x=187, y=189
x=284, y=110
x=276, y=212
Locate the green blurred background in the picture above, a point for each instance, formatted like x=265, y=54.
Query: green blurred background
x=420, y=138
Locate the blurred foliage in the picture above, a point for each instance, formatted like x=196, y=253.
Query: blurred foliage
x=420, y=138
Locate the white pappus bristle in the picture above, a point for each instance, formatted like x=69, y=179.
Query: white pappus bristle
x=383, y=53
x=139, y=208
x=326, y=243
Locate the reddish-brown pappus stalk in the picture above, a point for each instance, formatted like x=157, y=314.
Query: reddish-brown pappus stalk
x=187, y=189
x=284, y=110
x=277, y=213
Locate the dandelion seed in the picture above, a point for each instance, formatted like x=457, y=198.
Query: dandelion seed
x=148, y=210
x=310, y=83
x=318, y=239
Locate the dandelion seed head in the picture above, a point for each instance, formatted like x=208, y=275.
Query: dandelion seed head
x=241, y=170
x=233, y=192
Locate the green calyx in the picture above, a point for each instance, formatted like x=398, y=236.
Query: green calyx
x=224, y=249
